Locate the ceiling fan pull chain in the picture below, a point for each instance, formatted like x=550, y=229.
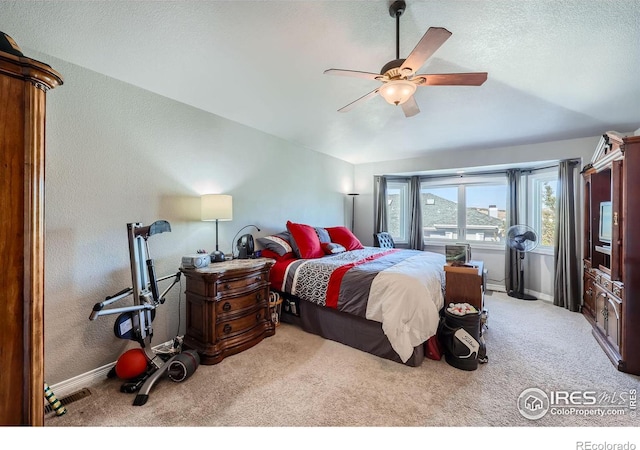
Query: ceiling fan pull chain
x=395, y=10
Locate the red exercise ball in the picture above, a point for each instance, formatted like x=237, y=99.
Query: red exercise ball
x=131, y=364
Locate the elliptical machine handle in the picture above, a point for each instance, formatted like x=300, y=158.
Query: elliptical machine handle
x=153, y=282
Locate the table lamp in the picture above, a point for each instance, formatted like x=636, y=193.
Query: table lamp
x=216, y=207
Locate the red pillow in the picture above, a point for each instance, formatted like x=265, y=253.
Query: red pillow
x=306, y=241
x=344, y=237
x=266, y=253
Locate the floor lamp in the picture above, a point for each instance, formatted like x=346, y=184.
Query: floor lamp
x=353, y=208
x=216, y=207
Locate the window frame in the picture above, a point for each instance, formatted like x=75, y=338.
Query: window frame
x=403, y=185
x=529, y=198
x=462, y=182
x=533, y=199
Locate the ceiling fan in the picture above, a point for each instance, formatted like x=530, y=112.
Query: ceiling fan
x=399, y=78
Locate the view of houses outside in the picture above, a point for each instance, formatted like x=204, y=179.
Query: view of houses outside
x=440, y=219
x=485, y=212
x=483, y=222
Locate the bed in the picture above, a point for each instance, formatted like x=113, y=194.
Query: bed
x=386, y=302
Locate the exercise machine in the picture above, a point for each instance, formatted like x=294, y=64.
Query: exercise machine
x=135, y=322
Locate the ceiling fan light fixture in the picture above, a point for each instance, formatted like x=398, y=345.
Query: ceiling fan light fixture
x=396, y=92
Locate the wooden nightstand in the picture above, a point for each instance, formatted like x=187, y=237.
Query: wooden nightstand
x=227, y=307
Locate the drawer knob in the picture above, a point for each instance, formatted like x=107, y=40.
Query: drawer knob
x=227, y=329
x=617, y=291
x=258, y=316
x=258, y=278
x=258, y=296
x=226, y=306
x=227, y=286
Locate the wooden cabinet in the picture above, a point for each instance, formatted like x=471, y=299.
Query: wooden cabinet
x=607, y=317
x=611, y=296
x=465, y=284
x=227, y=307
x=23, y=86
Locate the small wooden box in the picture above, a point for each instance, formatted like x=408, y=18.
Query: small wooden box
x=465, y=284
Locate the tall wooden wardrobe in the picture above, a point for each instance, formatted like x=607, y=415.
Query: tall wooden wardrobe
x=23, y=86
x=612, y=249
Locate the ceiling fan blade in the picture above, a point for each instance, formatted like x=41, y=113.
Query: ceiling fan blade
x=451, y=79
x=410, y=107
x=354, y=103
x=430, y=42
x=353, y=73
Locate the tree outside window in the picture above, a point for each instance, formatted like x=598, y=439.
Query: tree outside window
x=541, y=211
x=548, y=215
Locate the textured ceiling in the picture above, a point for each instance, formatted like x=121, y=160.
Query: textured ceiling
x=557, y=69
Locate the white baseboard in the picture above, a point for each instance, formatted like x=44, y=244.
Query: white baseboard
x=496, y=287
x=81, y=381
x=538, y=295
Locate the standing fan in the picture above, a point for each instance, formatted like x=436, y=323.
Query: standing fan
x=522, y=239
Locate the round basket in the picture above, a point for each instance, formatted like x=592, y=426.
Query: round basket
x=275, y=307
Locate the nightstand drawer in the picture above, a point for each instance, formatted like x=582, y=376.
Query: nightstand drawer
x=230, y=328
x=232, y=305
x=235, y=284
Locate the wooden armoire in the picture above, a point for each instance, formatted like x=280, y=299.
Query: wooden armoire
x=23, y=86
x=612, y=248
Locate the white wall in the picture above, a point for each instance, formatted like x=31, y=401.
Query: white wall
x=118, y=154
x=539, y=276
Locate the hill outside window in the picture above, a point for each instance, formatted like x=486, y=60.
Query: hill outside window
x=459, y=209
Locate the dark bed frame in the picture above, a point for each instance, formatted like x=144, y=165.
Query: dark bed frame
x=354, y=331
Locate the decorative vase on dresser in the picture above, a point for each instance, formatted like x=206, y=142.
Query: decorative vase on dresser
x=227, y=307
x=612, y=249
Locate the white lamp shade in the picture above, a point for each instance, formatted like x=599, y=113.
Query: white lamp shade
x=397, y=92
x=216, y=207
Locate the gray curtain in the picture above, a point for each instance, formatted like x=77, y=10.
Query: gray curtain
x=512, y=259
x=566, y=291
x=380, y=206
x=416, y=241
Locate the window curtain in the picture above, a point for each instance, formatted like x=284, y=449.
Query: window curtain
x=512, y=259
x=380, y=207
x=567, y=270
x=416, y=240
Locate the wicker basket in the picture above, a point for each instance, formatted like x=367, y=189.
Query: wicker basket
x=275, y=307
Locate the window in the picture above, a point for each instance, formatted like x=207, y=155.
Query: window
x=486, y=214
x=542, y=187
x=398, y=210
x=472, y=208
x=464, y=209
x=439, y=211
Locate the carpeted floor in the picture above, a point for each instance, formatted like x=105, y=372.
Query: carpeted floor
x=295, y=379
